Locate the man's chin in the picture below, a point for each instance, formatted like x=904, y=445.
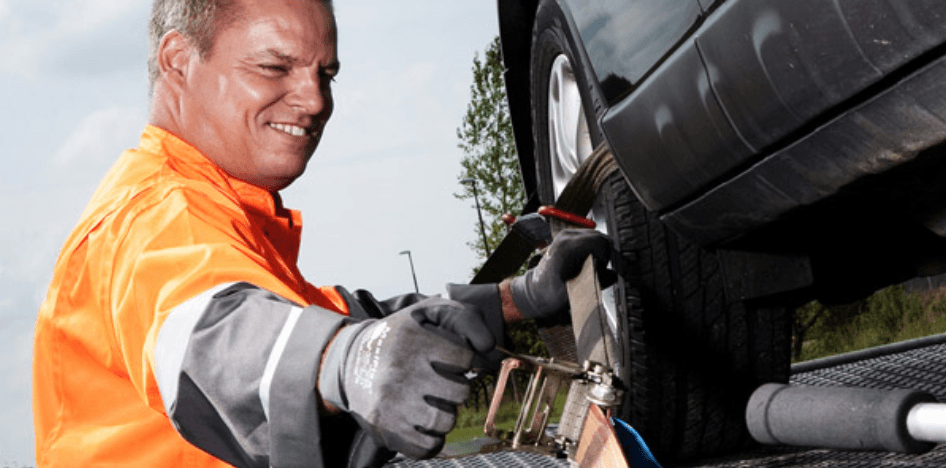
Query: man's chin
x=283, y=172
x=276, y=183
x=272, y=181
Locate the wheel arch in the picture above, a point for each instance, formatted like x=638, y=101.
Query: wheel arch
x=516, y=20
x=515, y=34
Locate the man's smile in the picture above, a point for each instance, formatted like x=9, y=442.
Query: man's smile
x=293, y=130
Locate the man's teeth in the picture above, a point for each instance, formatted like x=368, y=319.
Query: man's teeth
x=290, y=129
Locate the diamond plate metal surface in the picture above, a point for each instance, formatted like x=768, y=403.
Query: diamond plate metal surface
x=488, y=460
x=920, y=369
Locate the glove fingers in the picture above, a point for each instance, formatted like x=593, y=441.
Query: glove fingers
x=581, y=243
x=602, y=249
x=607, y=277
x=441, y=418
x=448, y=389
x=404, y=382
x=459, y=323
x=470, y=326
x=456, y=373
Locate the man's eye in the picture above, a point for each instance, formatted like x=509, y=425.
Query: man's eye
x=274, y=68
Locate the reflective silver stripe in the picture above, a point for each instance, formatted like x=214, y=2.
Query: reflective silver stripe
x=274, y=357
x=172, y=342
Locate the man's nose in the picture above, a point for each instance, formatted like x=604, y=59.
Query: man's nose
x=312, y=94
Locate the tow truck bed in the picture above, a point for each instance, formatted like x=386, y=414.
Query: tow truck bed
x=917, y=364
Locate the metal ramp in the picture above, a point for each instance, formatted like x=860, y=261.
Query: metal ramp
x=488, y=460
x=916, y=364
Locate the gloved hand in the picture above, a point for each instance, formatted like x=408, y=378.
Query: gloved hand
x=542, y=293
x=401, y=377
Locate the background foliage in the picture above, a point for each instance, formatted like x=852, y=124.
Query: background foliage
x=888, y=316
x=486, y=138
x=488, y=144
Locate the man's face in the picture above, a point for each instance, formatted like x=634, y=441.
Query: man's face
x=257, y=104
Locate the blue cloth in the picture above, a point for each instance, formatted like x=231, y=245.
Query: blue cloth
x=635, y=449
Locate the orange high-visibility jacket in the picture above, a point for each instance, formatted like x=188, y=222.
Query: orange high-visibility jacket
x=176, y=313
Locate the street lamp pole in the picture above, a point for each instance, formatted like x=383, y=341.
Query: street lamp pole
x=479, y=213
x=411, y=259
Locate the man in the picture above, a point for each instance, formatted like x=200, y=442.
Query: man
x=178, y=331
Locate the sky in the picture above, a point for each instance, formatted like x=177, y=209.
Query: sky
x=75, y=94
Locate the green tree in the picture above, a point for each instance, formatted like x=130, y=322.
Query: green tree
x=490, y=158
x=487, y=141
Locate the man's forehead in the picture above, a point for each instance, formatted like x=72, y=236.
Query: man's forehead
x=248, y=10
x=285, y=35
x=271, y=53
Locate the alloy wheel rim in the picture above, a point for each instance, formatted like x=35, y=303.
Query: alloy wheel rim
x=569, y=138
x=569, y=145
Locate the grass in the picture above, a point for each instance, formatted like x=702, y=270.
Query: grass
x=470, y=422
x=888, y=316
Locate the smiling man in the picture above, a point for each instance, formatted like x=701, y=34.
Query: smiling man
x=178, y=330
x=256, y=102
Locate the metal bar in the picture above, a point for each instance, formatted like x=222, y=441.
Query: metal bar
x=927, y=422
x=489, y=427
x=527, y=403
x=868, y=353
x=543, y=410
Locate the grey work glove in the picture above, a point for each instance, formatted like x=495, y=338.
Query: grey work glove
x=542, y=293
x=486, y=299
x=401, y=377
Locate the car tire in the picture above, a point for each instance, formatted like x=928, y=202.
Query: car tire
x=690, y=357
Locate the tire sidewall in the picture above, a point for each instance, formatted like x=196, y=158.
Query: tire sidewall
x=551, y=37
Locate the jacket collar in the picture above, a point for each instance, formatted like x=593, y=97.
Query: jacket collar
x=193, y=164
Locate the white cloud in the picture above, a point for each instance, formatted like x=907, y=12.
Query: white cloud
x=45, y=209
x=100, y=137
x=78, y=37
x=420, y=74
x=16, y=346
x=91, y=15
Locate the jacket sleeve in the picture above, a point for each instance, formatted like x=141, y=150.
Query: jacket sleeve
x=237, y=369
x=215, y=335
x=486, y=297
x=362, y=304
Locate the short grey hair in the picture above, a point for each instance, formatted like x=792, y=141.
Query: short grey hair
x=196, y=20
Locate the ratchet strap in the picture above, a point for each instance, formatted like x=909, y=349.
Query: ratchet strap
x=576, y=199
x=579, y=194
x=586, y=338
x=587, y=327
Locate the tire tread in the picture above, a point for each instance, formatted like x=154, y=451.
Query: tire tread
x=684, y=305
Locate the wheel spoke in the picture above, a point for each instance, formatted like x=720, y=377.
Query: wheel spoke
x=565, y=119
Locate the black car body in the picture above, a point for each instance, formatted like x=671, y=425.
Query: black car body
x=727, y=117
x=771, y=152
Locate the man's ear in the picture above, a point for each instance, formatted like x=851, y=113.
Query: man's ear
x=174, y=57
